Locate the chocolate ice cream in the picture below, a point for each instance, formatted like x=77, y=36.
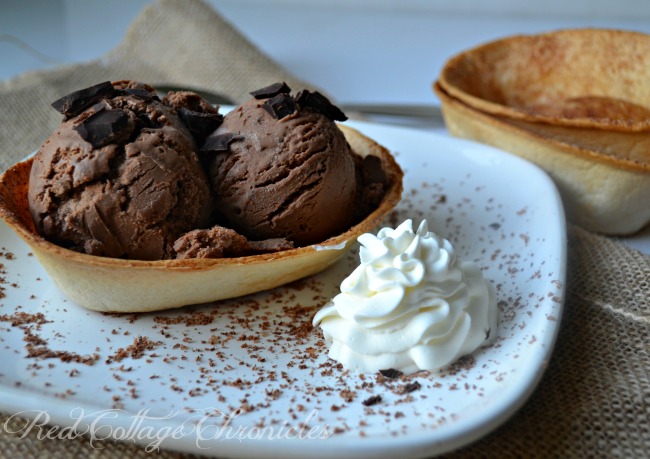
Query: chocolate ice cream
x=220, y=242
x=281, y=168
x=121, y=176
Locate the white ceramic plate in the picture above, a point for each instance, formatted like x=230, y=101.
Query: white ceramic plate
x=250, y=377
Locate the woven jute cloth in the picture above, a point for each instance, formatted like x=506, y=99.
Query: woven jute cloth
x=175, y=43
x=594, y=399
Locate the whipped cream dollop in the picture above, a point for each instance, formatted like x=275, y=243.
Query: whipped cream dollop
x=410, y=305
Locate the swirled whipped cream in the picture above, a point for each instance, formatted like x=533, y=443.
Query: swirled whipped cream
x=410, y=305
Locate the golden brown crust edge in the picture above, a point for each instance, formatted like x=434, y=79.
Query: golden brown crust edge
x=506, y=76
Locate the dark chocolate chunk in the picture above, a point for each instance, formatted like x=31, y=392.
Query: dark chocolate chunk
x=321, y=104
x=280, y=106
x=217, y=143
x=140, y=93
x=146, y=122
x=411, y=387
x=76, y=102
x=103, y=126
x=372, y=400
x=391, y=373
x=200, y=124
x=271, y=90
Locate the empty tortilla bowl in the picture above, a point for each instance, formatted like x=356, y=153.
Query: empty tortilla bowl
x=593, y=78
x=602, y=176
x=117, y=285
x=575, y=102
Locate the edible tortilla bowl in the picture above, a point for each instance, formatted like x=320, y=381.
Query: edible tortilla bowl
x=602, y=190
x=117, y=285
x=594, y=78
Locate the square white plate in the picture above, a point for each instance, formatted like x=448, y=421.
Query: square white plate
x=250, y=377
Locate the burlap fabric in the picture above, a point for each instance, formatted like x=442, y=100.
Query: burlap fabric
x=170, y=42
x=594, y=400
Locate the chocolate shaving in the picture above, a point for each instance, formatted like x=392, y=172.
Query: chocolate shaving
x=321, y=104
x=217, y=143
x=271, y=90
x=102, y=126
x=411, y=387
x=74, y=103
x=280, y=106
x=372, y=400
x=200, y=124
x=391, y=373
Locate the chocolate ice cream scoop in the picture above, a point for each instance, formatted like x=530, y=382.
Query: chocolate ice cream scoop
x=281, y=168
x=146, y=286
x=120, y=177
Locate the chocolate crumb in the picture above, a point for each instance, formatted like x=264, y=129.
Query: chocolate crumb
x=135, y=350
x=347, y=395
x=391, y=373
x=375, y=399
x=23, y=318
x=411, y=387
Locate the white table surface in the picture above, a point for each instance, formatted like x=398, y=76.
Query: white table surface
x=358, y=50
